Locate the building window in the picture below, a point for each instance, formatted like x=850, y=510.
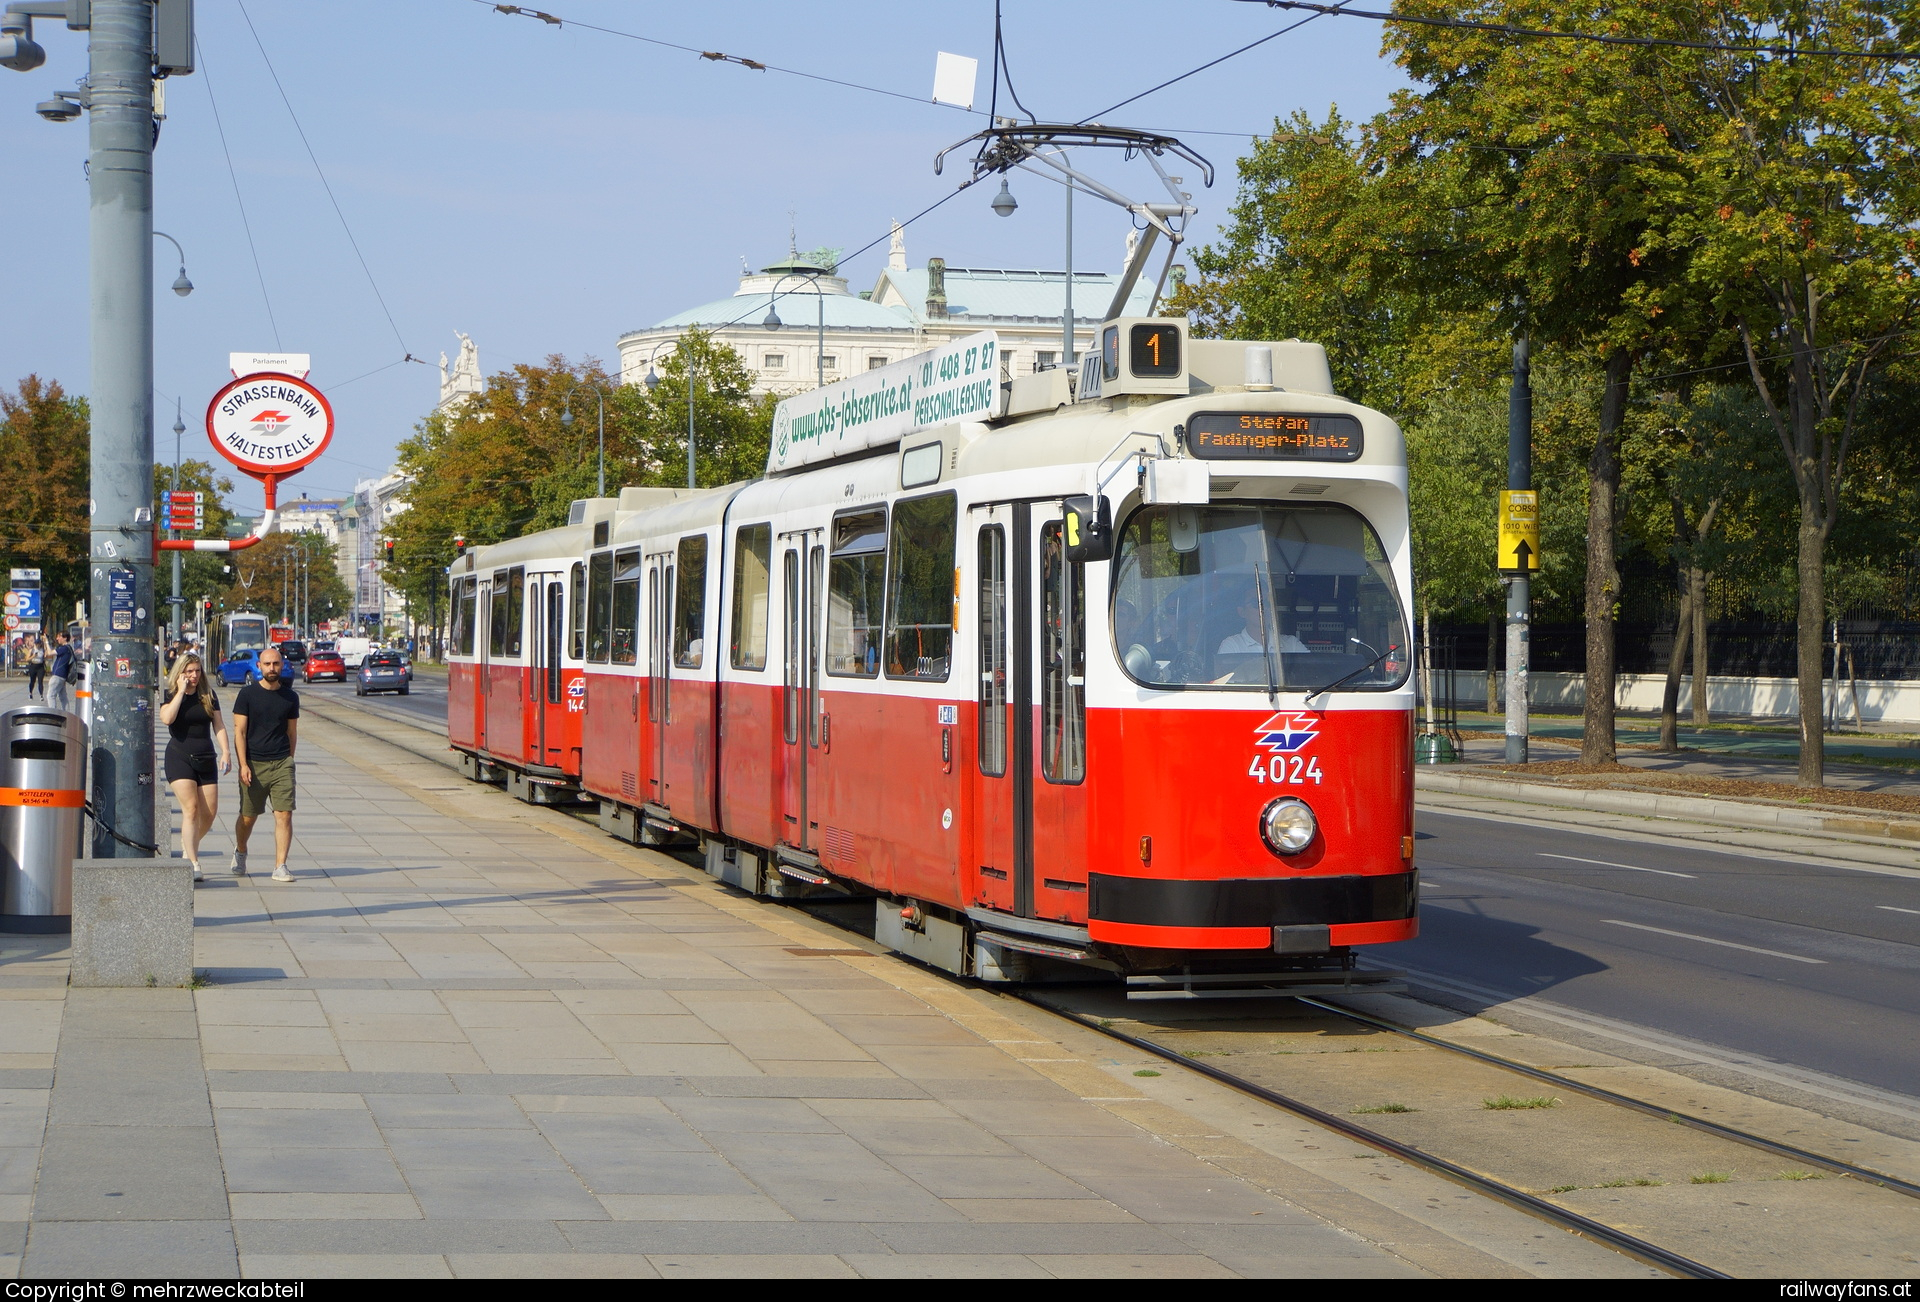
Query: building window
x=830, y=362
x=1006, y=365
x=1045, y=361
x=774, y=362
x=875, y=363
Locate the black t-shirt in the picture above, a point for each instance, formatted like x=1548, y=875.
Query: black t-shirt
x=266, y=714
x=192, y=726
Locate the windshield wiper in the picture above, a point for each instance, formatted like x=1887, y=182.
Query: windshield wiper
x=1357, y=672
x=1270, y=632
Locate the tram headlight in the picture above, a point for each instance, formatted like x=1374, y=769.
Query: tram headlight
x=1287, y=826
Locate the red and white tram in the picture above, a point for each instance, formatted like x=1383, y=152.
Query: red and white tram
x=1114, y=673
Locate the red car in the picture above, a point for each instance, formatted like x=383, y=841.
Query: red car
x=326, y=664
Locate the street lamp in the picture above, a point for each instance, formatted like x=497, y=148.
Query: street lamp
x=773, y=321
x=566, y=422
x=653, y=382
x=1004, y=203
x=181, y=285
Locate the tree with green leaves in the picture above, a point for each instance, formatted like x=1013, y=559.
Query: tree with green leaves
x=43, y=495
x=1798, y=214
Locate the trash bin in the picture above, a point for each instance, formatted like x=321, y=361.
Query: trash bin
x=42, y=794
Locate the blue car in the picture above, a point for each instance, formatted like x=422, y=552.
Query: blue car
x=240, y=667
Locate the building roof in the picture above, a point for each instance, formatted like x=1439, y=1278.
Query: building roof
x=796, y=307
x=984, y=295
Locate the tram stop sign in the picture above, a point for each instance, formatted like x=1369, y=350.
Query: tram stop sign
x=270, y=423
x=1519, y=551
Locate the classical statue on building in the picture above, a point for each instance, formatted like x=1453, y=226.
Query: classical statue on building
x=463, y=381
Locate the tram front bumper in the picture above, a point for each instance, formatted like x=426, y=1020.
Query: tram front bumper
x=1262, y=913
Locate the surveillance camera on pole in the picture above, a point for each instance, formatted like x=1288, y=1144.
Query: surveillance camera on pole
x=130, y=44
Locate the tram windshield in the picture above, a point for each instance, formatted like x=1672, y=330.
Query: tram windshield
x=1252, y=597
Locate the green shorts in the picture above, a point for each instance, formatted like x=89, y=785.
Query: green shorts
x=272, y=780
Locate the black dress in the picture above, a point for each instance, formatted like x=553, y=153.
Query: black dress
x=190, y=753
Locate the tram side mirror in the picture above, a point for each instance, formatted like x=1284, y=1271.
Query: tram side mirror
x=1089, y=529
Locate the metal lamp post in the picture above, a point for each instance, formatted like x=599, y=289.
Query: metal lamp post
x=129, y=44
x=773, y=321
x=653, y=382
x=566, y=421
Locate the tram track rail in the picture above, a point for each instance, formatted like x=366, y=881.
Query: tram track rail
x=1640, y=1249
x=1631, y=1245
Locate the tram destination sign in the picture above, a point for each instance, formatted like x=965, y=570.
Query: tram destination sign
x=1275, y=436
x=957, y=381
x=270, y=423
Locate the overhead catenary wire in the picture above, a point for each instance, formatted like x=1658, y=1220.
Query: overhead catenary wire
x=1211, y=63
x=380, y=298
x=1514, y=29
x=715, y=56
x=233, y=176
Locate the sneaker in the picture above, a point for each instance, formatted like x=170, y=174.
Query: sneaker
x=280, y=873
x=239, y=864
x=197, y=875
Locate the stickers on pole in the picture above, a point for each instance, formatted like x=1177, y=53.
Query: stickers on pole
x=1519, y=532
x=270, y=424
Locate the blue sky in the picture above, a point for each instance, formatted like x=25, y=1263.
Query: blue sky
x=545, y=189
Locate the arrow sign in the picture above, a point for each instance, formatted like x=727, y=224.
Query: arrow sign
x=1519, y=548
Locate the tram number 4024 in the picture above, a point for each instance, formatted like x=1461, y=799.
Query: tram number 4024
x=1295, y=770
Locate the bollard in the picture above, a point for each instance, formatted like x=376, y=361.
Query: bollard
x=132, y=922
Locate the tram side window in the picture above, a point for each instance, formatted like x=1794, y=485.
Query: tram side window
x=465, y=615
x=690, y=604
x=626, y=607
x=577, y=610
x=920, y=589
x=599, y=606
x=1063, y=662
x=790, y=595
x=752, y=563
x=993, y=651
x=856, y=577
x=497, y=624
x=516, y=608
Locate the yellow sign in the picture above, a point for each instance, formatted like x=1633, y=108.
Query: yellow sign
x=1519, y=531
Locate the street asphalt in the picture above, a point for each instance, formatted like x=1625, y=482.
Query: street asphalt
x=1813, y=967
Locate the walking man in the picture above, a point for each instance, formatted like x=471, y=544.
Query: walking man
x=266, y=731
x=62, y=671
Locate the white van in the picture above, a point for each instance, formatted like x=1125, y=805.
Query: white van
x=353, y=649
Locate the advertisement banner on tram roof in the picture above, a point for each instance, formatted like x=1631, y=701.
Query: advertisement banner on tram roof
x=957, y=381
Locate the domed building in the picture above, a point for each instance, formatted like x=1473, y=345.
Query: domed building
x=798, y=324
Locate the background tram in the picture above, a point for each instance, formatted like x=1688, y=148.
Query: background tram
x=239, y=630
x=1118, y=677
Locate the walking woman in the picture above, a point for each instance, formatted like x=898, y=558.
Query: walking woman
x=36, y=653
x=194, y=724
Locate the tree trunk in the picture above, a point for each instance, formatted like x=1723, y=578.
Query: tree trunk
x=1603, y=576
x=1697, y=578
x=1676, y=665
x=1812, y=655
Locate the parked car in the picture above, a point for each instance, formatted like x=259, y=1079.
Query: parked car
x=240, y=667
x=383, y=671
x=326, y=664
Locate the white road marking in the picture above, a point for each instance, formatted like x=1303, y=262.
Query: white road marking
x=1891, y=909
x=1709, y=940
x=1632, y=868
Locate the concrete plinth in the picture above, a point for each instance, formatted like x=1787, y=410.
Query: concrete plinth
x=132, y=922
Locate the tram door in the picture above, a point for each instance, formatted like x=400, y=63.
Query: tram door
x=546, y=624
x=1030, y=738
x=659, y=682
x=802, y=580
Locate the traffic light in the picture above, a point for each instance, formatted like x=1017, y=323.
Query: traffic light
x=388, y=544
x=206, y=607
x=459, y=545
